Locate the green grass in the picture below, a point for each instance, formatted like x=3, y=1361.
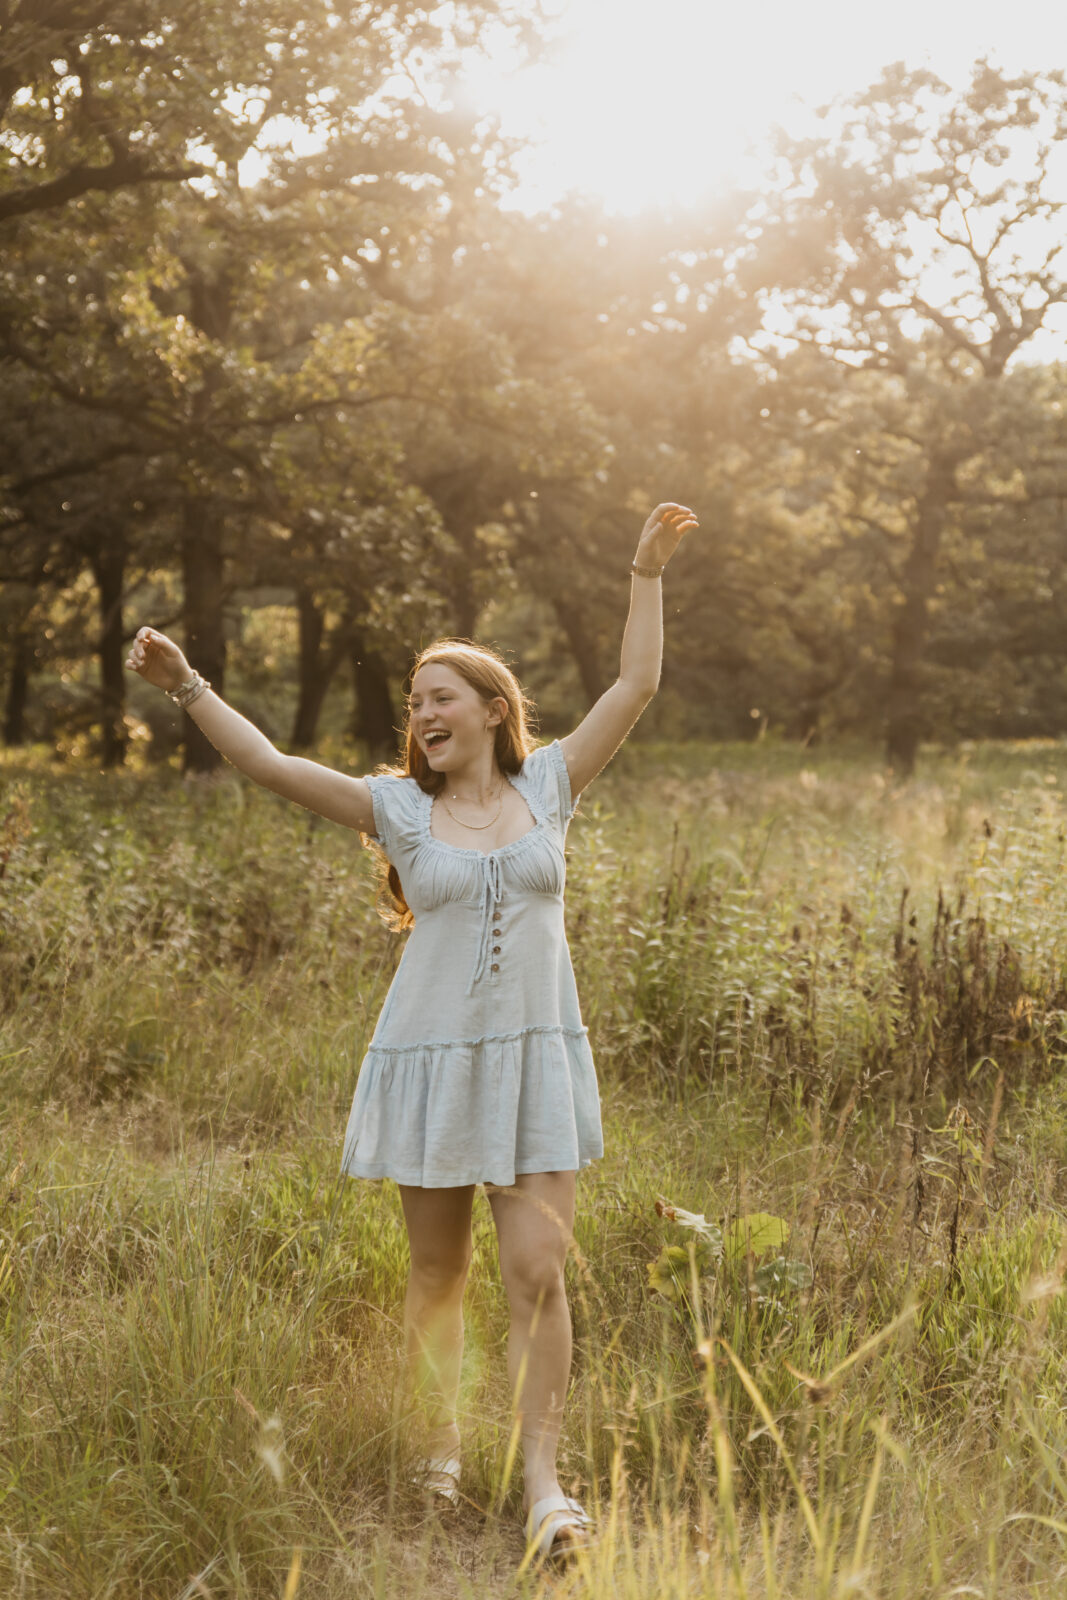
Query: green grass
x=813, y=993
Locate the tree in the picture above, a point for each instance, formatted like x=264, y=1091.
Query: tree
x=201, y=315
x=621, y=330
x=918, y=242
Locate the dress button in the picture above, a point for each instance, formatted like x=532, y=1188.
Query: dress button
x=496, y=933
x=495, y=967
x=496, y=949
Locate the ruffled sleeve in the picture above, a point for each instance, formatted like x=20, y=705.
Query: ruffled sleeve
x=396, y=813
x=545, y=769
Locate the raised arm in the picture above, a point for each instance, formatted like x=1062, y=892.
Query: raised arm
x=600, y=733
x=332, y=794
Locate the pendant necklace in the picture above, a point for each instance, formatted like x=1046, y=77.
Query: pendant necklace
x=474, y=827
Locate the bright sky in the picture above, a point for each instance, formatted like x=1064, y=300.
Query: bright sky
x=645, y=100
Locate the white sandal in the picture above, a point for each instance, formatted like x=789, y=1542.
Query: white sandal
x=438, y=1479
x=546, y=1521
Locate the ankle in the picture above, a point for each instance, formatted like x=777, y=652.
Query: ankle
x=538, y=1487
x=442, y=1443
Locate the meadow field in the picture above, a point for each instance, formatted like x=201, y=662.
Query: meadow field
x=817, y=1280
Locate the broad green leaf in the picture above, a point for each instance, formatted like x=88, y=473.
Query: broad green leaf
x=759, y=1232
x=669, y=1273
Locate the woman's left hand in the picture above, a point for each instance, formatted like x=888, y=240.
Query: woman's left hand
x=662, y=534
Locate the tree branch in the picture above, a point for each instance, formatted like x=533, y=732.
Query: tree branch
x=125, y=171
x=71, y=469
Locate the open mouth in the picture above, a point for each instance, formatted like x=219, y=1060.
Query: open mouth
x=436, y=738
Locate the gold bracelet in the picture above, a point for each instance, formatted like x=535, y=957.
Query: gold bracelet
x=646, y=572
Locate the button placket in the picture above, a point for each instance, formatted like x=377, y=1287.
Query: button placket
x=490, y=919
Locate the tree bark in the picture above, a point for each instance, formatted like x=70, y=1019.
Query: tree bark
x=205, y=640
x=460, y=496
x=582, y=647
x=210, y=311
x=316, y=666
x=18, y=691
x=108, y=562
x=374, y=719
x=904, y=721
x=464, y=602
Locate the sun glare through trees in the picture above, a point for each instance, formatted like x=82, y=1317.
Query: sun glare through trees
x=639, y=103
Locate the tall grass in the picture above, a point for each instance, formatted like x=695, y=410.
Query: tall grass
x=815, y=996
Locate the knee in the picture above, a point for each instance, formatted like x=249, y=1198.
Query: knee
x=534, y=1280
x=440, y=1275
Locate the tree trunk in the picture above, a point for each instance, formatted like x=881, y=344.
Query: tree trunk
x=464, y=603
x=18, y=691
x=904, y=722
x=316, y=667
x=374, y=718
x=459, y=493
x=205, y=641
x=582, y=647
x=108, y=562
x=211, y=311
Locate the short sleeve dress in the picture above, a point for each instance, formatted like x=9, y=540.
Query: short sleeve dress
x=479, y=1067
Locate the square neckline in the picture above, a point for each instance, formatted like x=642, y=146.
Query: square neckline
x=500, y=850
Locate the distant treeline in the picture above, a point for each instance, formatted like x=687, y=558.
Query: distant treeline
x=338, y=376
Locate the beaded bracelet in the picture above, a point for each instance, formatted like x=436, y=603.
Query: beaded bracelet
x=190, y=690
x=646, y=572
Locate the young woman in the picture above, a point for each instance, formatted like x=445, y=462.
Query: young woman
x=479, y=1070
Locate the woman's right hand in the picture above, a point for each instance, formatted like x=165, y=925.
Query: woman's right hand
x=158, y=660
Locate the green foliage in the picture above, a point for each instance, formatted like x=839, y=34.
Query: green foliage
x=916, y=455
x=349, y=383
x=731, y=1261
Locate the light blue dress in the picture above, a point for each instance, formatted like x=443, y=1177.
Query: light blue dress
x=479, y=1067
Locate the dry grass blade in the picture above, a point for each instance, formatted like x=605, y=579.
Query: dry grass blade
x=769, y=1423
x=821, y=1390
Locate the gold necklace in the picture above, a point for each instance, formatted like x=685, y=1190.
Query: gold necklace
x=474, y=827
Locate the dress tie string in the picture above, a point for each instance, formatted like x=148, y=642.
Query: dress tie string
x=492, y=889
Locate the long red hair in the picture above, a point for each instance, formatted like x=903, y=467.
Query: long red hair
x=493, y=679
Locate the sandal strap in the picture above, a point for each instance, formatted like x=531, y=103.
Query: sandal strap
x=548, y=1517
x=449, y=1466
x=445, y=1470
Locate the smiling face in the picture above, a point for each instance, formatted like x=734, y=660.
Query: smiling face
x=451, y=722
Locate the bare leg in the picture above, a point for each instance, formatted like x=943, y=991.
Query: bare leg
x=534, y=1221
x=439, y=1237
